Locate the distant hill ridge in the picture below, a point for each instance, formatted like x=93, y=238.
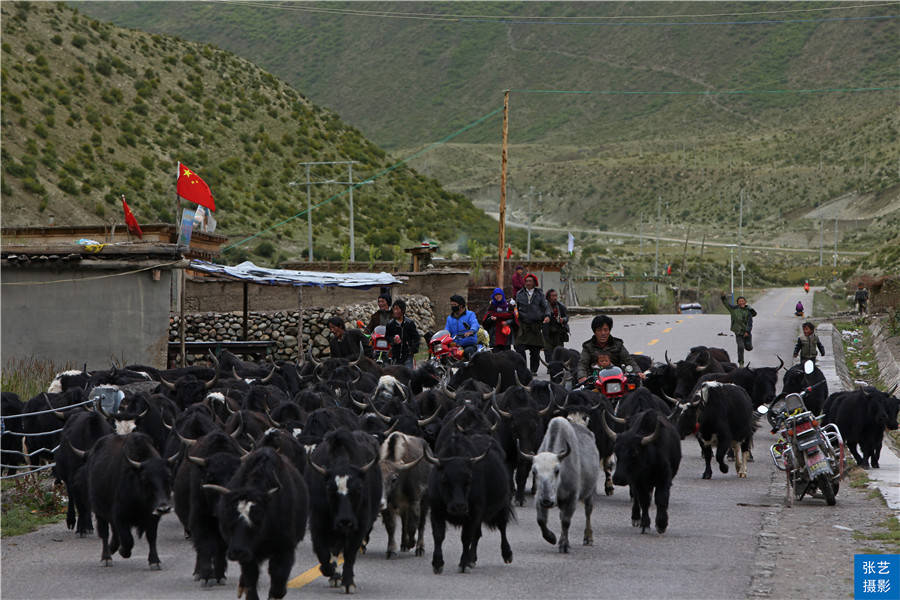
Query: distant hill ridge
x=93, y=111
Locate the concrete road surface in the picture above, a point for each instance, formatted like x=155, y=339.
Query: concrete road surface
x=707, y=552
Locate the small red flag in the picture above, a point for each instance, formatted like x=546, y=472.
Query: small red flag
x=130, y=221
x=508, y=252
x=669, y=269
x=193, y=189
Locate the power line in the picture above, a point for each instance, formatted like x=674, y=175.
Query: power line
x=458, y=17
x=684, y=23
x=708, y=92
x=381, y=173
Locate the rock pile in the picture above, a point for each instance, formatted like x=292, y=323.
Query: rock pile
x=281, y=326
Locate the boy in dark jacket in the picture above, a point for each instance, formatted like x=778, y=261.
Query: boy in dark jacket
x=807, y=344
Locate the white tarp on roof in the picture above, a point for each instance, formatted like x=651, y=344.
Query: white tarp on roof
x=247, y=271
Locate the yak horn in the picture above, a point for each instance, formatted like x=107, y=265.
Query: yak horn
x=649, y=439
x=215, y=378
x=549, y=405
x=450, y=394
x=562, y=455
x=358, y=358
x=169, y=385
x=524, y=455
x=56, y=413
x=380, y=415
x=216, y=488
x=404, y=466
x=618, y=420
x=612, y=434
x=500, y=411
x=543, y=362
x=430, y=457
x=519, y=381
x=429, y=420
x=668, y=362
x=368, y=465
x=237, y=432
x=78, y=452
x=200, y=462
x=134, y=463
x=269, y=377
x=185, y=440
x=781, y=366
x=321, y=470
x=670, y=399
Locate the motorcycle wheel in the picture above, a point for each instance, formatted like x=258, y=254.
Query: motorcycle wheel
x=824, y=484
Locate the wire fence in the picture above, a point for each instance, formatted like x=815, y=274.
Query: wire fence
x=22, y=434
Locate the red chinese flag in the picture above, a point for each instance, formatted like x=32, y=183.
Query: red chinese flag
x=508, y=252
x=130, y=221
x=193, y=189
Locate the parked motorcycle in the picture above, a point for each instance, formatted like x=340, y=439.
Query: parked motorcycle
x=811, y=455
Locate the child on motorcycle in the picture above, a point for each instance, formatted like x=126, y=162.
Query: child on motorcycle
x=604, y=361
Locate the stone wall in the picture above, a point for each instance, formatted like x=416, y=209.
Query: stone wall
x=281, y=326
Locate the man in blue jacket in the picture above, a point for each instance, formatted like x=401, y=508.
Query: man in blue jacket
x=462, y=325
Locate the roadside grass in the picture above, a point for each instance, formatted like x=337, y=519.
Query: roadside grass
x=825, y=304
x=889, y=537
x=29, y=501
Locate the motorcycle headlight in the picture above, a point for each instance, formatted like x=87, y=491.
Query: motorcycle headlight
x=613, y=387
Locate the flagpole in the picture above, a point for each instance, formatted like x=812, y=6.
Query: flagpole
x=177, y=206
x=503, y=163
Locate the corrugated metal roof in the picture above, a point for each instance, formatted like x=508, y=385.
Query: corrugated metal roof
x=247, y=271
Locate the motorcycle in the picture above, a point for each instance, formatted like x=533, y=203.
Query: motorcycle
x=615, y=383
x=443, y=351
x=811, y=455
x=381, y=346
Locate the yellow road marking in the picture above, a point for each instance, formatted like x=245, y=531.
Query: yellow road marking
x=780, y=306
x=639, y=352
x=690, y=316
x=679, y=320
x=667, y=330
x=308, y=576
x=652, y=342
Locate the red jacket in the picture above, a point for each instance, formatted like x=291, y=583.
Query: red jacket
x=498, y=323
x=518, y=282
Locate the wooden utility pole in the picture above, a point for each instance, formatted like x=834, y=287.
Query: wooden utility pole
x=700, y=265
x=501, y=243
x=683, y=262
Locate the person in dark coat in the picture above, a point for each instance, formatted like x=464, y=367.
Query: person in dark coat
x=382, y=316
x=402, y=335
x=861, y=298
x=500, y=321
x=532, y=307
x=601, y=325
x=556, y=330
x=517, y=280
x=345, y=343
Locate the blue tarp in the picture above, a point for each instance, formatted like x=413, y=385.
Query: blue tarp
x=247, y=271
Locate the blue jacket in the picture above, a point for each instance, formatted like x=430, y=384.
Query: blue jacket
x=459, y=325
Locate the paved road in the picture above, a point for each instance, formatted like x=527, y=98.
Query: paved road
x=708, y=551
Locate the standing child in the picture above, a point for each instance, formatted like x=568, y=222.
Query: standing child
x=807, y=344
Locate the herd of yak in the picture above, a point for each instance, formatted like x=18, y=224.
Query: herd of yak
x=250, y=455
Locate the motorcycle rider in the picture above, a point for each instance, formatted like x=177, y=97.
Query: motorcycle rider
x=807, y=344
x=601, y=325
x=798, y=309
x=462, y=325
x=741, y=324
x=403, y=336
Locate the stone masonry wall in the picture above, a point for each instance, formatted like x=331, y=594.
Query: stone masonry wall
x=281, y=325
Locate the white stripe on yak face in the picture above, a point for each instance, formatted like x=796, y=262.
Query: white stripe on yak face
x=341, y=482
x=243, y=508
x=125, y=427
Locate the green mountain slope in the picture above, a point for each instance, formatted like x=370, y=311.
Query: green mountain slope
x=604, y=159
x=92, y=111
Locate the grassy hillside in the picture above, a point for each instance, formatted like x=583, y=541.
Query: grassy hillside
x=600, y=160
x=93, y=111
